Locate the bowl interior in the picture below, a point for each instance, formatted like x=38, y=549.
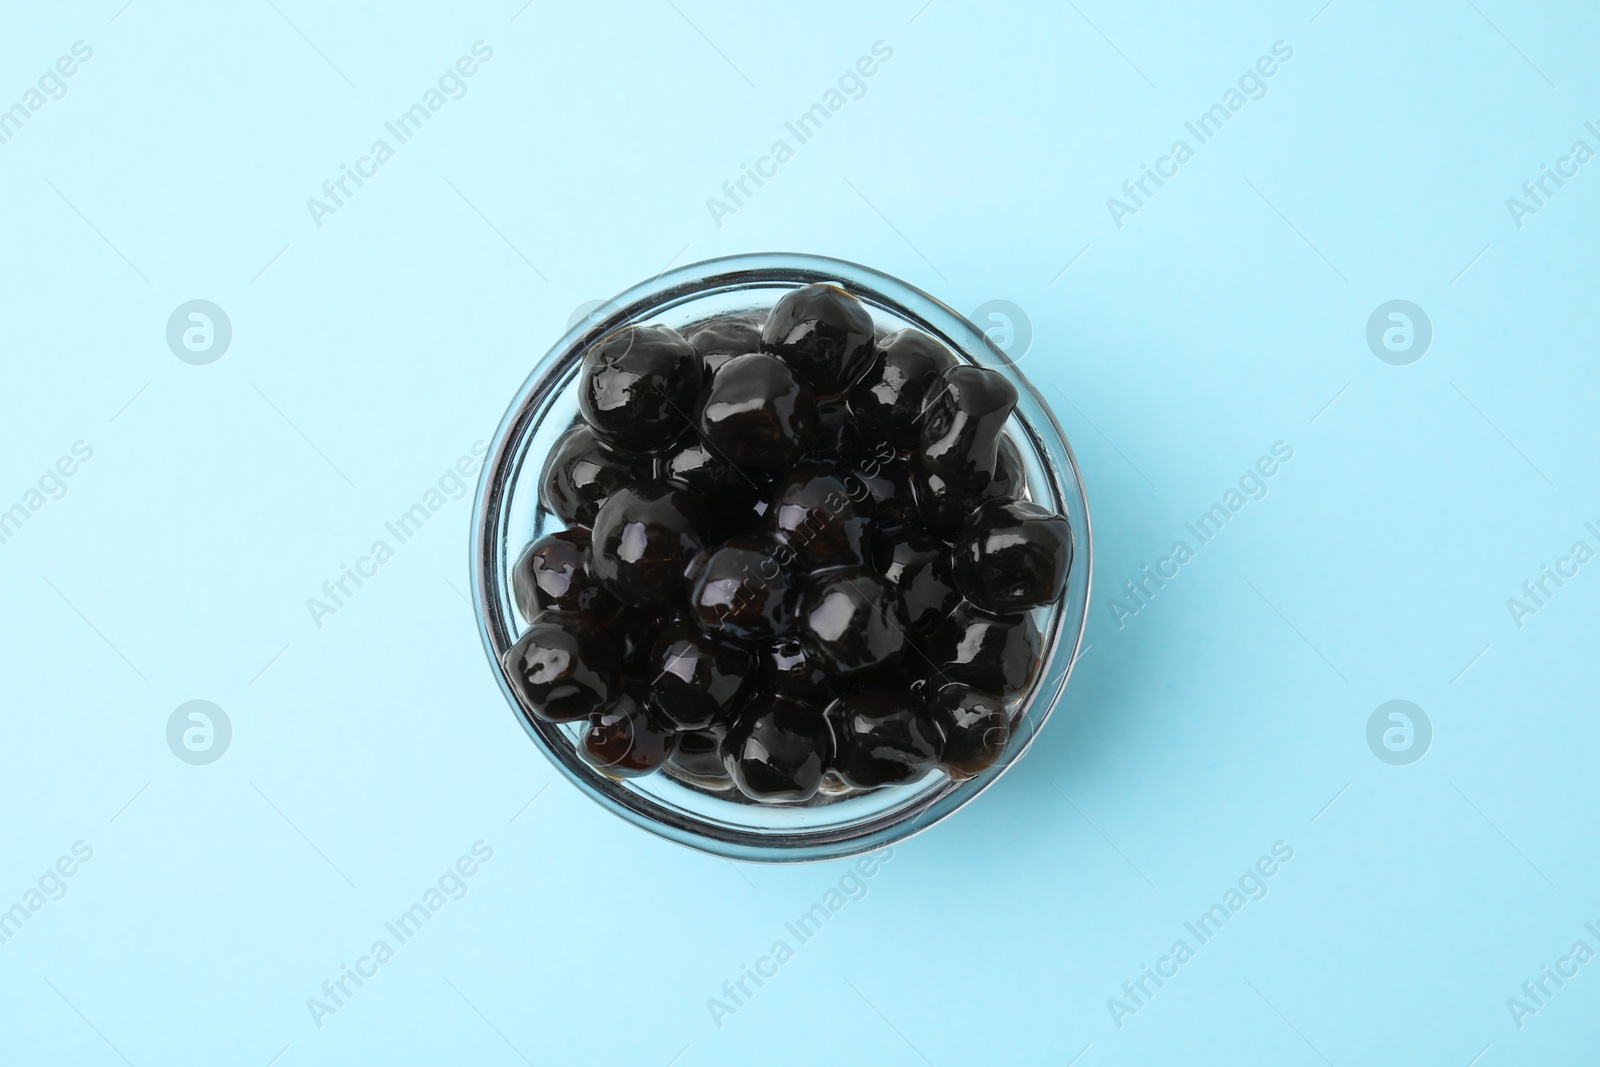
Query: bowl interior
x=838, y=821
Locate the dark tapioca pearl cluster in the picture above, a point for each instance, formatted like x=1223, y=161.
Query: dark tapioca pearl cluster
x=796, y=548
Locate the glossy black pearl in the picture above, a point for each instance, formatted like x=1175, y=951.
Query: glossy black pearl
x=944, y=508
x=562, y=668
x=633, y=634
x=824, y=333
x=974, y=726
x=697, y=467
x=742, y=593
x=624, y=740
x=1013, y=556
x=638, y=386
x=697, y=679
x=643, y=538
x=889, y=399
x=881, y=738
x=719, y=340
x=742, y=517
x=961, y=430
x=579, y=474
x=992, y=653
x=698, y=754
x=553, y=572
x=915, y=676
x=814, y=514
x=787, y=669
x=1009, y=477
x=727, y=492
x=940, y=507
x=757, y=414
x=853, y=621
x=839, y=438
x=778, y=750
x=888, y=479
x=917, y=564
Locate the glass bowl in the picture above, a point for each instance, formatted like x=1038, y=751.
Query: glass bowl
x=839, y=821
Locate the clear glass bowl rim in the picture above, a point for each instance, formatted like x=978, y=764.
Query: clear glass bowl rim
x=760, y=844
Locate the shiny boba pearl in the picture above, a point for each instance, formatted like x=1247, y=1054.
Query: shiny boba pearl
x=961, y=430
x=853, y=621
x=727, y=492
x=698, y=754
x=889, y=399
x=633, y=634
x=697, y=680
x=944, y=508
x=742, y=593
x=882, y=738
x=787, y=669
x=784, y=669
x=992, y=653
x=743, y=518
x=1013, y=556
x=579, y=474
x=643, y=538
x=814, y=514
x=638, y=386
x=1010, y=480
x=624, y=740
x=838, y=438
x=696, y=466
x=778, y=750
x=757, y=414
x=917, y=564
x=888, y=479
x=719, y=340
x=824, y=333
x=553, y=572
x=917, y=677
x=562, y=668
x=939, y=507
x=974, y=726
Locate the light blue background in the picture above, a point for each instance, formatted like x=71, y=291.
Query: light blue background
x=368, y=754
